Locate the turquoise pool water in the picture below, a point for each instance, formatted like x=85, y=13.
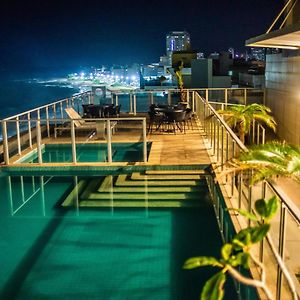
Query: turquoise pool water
x=78, y=237
x=56, y=153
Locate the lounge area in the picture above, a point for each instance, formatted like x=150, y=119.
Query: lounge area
x=105, y=110
x=170, y=118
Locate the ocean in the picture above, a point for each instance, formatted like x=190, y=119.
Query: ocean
x=20, y=95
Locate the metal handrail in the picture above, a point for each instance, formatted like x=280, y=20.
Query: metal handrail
x=285, y=203
x=61, y=121
x=47, y=105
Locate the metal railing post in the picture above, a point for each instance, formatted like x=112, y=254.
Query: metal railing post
x=226, y=97
x=144, y=141
x=61, y=110
x=206, y=96
x=211, y=128
x=218, y=140
x=134, y=104
x=47, y=121
x=169, y=98
x=253, y=131
x=250, y=174
x=5, y=143
x=245, y=96
x=54, y=114
x=130, y=103
x=38, y=141
x=227, y=147
x=29, y=130
x=73, y=141
x=222, y=148
x=109, y=147
x=281, y=246
x=151, y=98
x=18, y=135
x=193, y=101
x=214, y=137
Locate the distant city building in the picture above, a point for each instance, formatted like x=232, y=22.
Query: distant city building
x=177, y=41
x=164, y=61
x=214, y=55
x=184, y=57
x=257, y=54
x=200, y=55
x=231, y=51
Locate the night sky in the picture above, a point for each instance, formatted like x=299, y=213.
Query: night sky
x=80, y=33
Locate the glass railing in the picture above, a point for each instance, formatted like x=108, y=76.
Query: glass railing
x=53, y=141
x=223, y=145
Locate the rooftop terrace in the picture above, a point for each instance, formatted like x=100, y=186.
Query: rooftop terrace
x=206, y=143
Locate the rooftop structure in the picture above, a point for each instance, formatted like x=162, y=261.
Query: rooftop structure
x=282, y=77
x=177, y=41
x=202, y=147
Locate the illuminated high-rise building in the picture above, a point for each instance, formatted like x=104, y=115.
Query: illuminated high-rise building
x=177, y=41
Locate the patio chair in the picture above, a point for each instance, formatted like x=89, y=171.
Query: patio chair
x=176, y=119
x=112, y=111
x=81, y=124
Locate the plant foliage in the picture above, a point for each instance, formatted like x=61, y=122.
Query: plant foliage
x=236, y=253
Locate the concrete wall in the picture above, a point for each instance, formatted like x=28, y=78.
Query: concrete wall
x=283, y=94
x=201, y=73
x=256, y=81
x=221, y=82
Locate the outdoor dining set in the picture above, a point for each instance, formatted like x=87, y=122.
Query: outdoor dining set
x=166, y=118
x=106, y=110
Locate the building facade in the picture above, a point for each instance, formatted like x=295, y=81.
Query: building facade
x=282, y=75
x=177, y=41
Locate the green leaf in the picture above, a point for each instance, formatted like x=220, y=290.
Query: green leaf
x=242, y=238
x=238, y=244
x=213, y=288
x=245, y=260
x=259, y=232
x=241, y=259
x=245, y=214
x=200, y=261
x=226, y=251
x=267, y=209
x=261, y=207
x=272, y=207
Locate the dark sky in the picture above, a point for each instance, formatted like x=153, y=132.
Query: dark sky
x=83, y=32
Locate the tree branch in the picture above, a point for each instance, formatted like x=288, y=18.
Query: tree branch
x=252, y=282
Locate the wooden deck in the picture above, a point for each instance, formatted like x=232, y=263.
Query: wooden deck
x=179, y=149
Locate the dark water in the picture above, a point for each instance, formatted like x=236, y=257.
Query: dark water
x=23, y=90
x=20, y=95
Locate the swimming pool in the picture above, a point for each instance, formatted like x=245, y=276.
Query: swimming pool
x=56, y=153
x=114, y=235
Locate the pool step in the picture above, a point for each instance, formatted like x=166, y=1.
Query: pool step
x=155, y=188
x=122, y=180
x=107, y=185
x=139, y=176
x=172, y=172
x=73, y=196
x=142, y=204
x=142, y=196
